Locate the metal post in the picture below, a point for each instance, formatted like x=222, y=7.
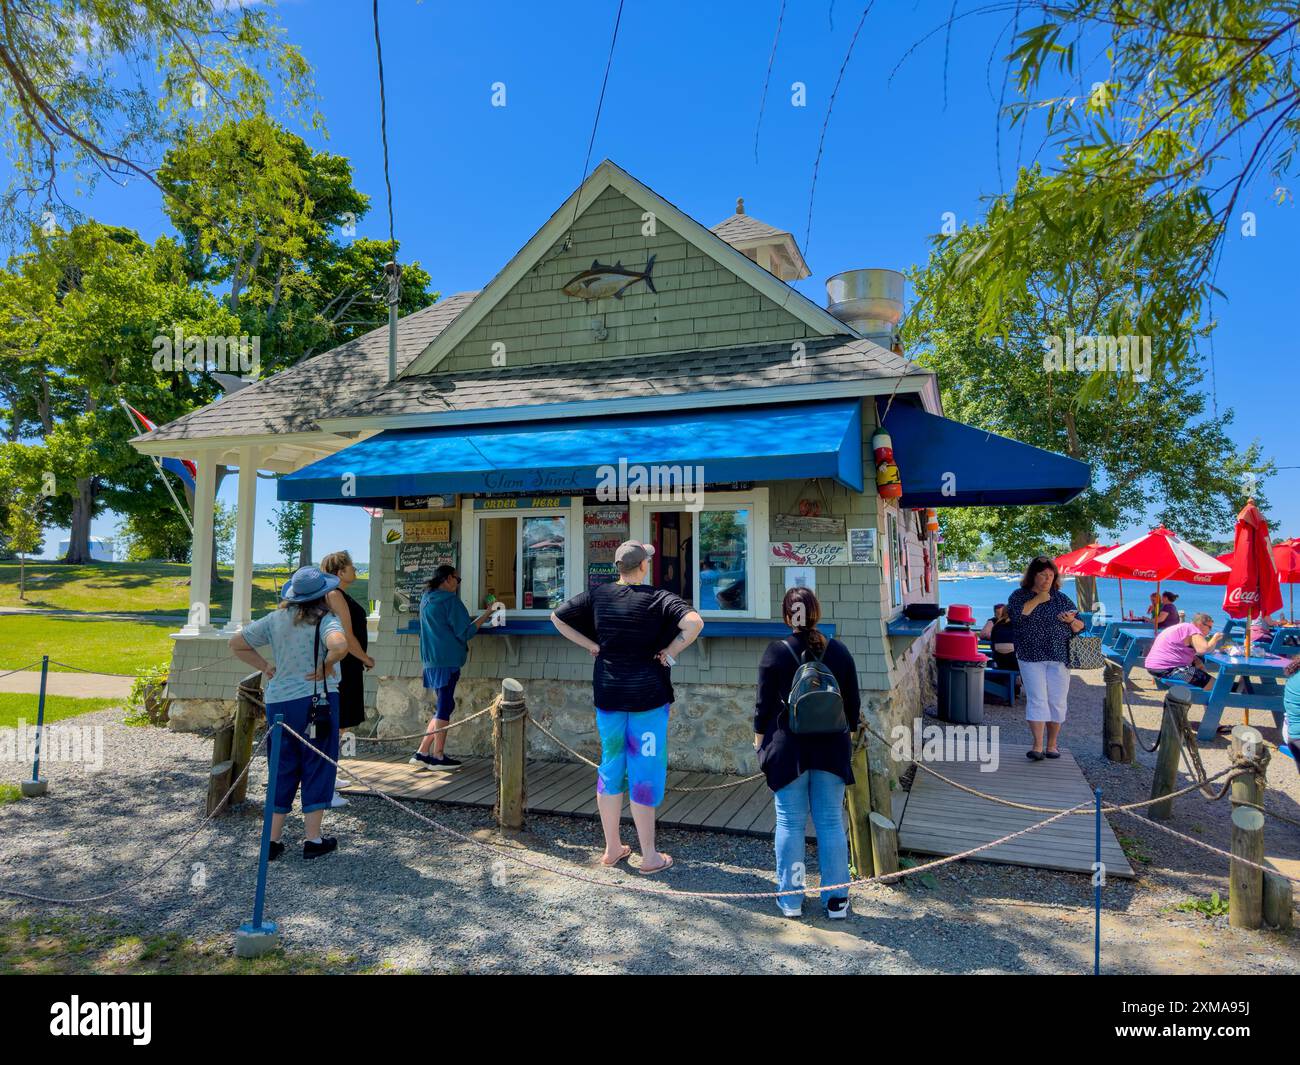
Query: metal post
x=1097, y=877
x=36, y=786
x=257, y=937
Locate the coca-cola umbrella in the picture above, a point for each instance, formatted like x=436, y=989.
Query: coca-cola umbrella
x=1079, y=563
x=1252, y=589
x=1159, y=556
x=1286, y=556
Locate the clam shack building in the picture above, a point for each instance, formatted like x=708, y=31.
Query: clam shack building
x=629, y=373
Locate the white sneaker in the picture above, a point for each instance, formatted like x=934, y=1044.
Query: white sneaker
x=789, y=908
x=338, y=801
x=838, y=909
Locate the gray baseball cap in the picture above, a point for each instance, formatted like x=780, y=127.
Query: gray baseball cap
x=631, y=553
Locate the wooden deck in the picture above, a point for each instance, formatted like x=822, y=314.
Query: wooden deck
x=941, y=820
x=569, y=788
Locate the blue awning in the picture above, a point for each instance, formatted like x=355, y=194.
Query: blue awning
x=772, y=443
x=947, y=464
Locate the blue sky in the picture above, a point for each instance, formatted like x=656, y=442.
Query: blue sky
x=472, y=182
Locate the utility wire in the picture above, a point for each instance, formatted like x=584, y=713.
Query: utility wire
x=771, y=59
x=600, y=103
x=383, y=129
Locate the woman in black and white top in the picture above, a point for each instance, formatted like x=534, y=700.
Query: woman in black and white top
x=1043, y=622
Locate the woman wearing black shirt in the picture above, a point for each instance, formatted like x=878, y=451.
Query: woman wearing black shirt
x=352, y=616
x=806, y=772
x=634, y=632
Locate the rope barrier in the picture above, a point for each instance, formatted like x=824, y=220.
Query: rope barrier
x=646, y=889
x=20, y=669
x=157, y=868
x=1212, y=849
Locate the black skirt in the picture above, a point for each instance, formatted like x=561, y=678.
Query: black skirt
x=352, y=697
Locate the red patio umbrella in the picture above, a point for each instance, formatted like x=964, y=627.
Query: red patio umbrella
x=1286, y=556
x=1080, y=563
x=1252, y=589
x=1159, y=556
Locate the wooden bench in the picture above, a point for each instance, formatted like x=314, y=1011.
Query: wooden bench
x=1200, y=696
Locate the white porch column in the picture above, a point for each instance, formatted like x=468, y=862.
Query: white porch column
x=241, y=600
x=205, y=501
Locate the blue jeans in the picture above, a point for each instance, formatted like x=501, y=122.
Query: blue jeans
x=824, y=793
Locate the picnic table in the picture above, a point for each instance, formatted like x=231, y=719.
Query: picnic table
x=1285, y=641
x=1127, y=643
x=1263, y=671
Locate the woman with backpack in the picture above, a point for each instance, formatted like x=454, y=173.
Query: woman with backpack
x=804, y=717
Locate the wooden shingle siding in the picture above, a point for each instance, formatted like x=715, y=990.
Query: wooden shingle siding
x=698, y=305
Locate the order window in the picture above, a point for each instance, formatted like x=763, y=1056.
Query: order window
x=708, y=557
x=523, y=561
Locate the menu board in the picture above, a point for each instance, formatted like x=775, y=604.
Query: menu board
x=603, y=529
x=415, y=565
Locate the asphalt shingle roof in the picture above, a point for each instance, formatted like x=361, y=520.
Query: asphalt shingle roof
x=742, y=227
x=292, y=400
x=827, y=359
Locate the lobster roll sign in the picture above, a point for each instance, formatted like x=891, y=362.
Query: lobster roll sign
x=804, y=553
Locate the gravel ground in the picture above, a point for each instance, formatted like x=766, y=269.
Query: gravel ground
x=399, y=895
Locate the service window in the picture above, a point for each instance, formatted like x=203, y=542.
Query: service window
x=523, y=557
x=893, y=558
x=715, y=557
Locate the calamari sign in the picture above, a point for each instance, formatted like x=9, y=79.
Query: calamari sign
x=803, y=553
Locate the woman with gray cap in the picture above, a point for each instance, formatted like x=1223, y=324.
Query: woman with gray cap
x=307, y=643
x=634, y=632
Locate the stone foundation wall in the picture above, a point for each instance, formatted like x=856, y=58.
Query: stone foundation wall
x=709, y=731
x=200, y=715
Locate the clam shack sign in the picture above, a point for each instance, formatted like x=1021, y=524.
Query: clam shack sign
x=805, y=553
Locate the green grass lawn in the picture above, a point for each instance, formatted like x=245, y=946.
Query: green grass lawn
x=89, y=943
x=132, y=587
x=14, y=706
x=93, y=644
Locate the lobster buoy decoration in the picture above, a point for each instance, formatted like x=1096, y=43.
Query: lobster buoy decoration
x=888, y=483
x=931, y=521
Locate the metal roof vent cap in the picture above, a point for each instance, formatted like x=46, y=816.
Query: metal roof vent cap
x=870, y=301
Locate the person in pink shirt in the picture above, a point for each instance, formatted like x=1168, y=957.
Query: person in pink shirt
x=1176, y=652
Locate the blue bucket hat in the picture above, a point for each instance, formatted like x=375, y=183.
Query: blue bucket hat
x=307, y=584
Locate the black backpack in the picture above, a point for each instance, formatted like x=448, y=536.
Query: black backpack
x=815, y=705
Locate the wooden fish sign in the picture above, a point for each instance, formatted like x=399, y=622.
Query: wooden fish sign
x=601, y=281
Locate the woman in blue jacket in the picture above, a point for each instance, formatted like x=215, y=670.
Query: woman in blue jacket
x=445, y=631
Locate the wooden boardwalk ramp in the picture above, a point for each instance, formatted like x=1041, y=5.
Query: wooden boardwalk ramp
x=940, y=819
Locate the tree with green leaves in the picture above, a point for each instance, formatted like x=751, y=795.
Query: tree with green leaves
x=1146, y=107
x=1143, y=427
x=79, y=315
x=95, y=87
x=290, y=520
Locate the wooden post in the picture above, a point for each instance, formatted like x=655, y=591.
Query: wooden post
x=218, y=784
x=1278, y=910
x=877, y=763
x=884, y=844
x=1112, y=724
x=222, y=740
x=1245, y=883
x=511, y=750
x=860, y=810
x=1177, y=700
x=1247, y=745
x=1130, y=744
x=247, y=711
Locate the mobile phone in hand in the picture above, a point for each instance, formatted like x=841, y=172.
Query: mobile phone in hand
x=669, y=659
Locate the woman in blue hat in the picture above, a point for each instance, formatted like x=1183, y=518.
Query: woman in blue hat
x=307, y=642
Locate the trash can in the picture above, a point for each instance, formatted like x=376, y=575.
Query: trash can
x=961, y=677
